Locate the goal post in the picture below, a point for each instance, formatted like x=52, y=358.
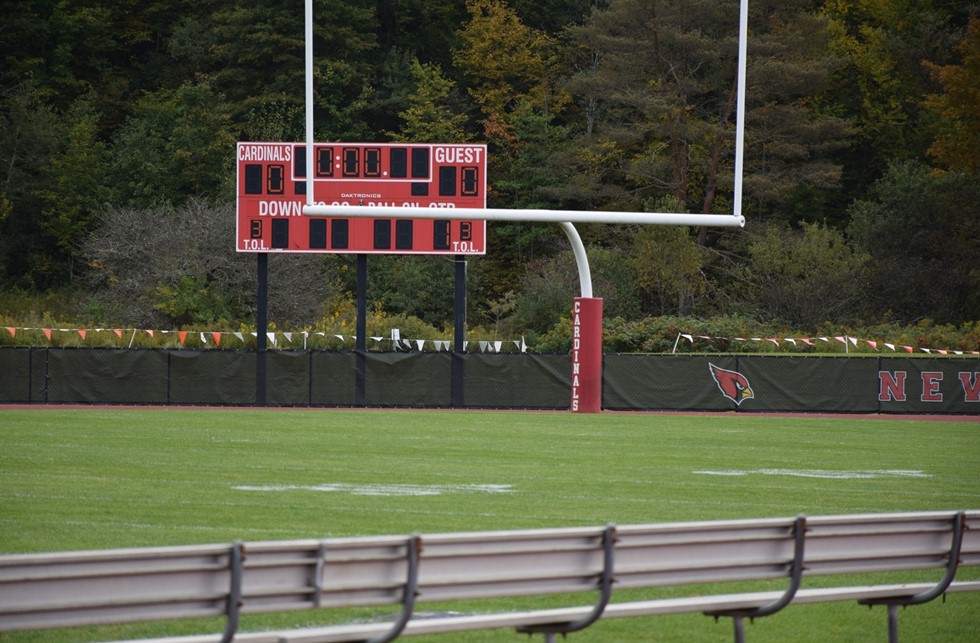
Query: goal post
x=587, y=310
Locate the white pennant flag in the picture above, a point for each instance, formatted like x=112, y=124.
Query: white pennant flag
x=272, y=338
x=496, y=346
x=240, y=337
x=420, y=343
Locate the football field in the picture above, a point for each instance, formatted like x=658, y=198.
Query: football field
x=109, y=478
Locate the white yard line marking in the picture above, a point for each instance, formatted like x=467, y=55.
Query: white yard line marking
x=386, y=489
x=818, y=473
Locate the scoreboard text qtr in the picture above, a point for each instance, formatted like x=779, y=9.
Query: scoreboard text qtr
x=271, y=189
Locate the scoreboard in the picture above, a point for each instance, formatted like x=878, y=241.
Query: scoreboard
x=271, y=193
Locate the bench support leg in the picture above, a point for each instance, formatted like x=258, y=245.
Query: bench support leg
x=952, y=563
x=413, y=546
x=739, y=623
x=605, y=592
x=234, y=604
x=893, y=624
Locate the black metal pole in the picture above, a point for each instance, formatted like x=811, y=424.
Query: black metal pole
x=459, y=335
x=261, y=328
x=360, y=351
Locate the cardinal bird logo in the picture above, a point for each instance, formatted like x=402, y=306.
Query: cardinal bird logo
x=732, y=384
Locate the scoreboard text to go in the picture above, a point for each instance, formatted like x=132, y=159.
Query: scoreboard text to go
x=272, y=192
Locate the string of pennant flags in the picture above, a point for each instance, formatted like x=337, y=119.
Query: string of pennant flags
x=300, y=339
x=846, y=340
x=276, y=339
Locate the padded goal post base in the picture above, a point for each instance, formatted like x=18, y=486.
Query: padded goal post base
x=587, y=355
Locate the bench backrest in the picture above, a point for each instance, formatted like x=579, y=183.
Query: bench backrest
x=88, y=587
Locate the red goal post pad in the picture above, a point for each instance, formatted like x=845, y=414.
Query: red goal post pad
x=586, y=355
x=271, y=192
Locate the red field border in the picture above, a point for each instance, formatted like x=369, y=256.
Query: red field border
x=733, y=414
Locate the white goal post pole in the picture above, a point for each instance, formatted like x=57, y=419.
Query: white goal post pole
x=743, y=47
x=308, y=35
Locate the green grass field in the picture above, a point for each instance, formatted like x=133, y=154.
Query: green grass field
x=96, y=478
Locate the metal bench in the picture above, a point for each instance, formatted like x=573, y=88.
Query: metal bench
x=82, y=588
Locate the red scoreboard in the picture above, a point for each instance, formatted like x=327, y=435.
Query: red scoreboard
x=272, y=192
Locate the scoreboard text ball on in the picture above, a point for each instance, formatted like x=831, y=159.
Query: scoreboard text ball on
x=272, y=192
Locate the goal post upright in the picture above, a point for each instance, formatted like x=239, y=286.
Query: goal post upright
x=586, y=394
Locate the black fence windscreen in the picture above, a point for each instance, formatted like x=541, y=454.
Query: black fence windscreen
x=745, y=383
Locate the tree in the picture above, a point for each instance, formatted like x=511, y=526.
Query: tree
x=79, y=175
x=794, y=143
x=804, y=277
x=956, y=145
x=425, y=29
x=667, y=265
x=428, y=118
x=177, y=266
x=30, y=137
x=418, y=286
x=883, y=82
x=258, y=58
x=920, y=229
x=508, y=65
x=552, y=16
x=659, y=84
x=174, y=147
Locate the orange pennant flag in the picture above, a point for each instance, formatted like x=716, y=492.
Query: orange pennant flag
x=47, y=333
x=12, y=331
x=150, y=333
x=217, y=338
x=81, y=333
x=118, y=332
x=182, y=334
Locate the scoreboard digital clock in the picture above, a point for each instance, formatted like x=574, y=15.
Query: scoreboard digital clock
x=271, y=193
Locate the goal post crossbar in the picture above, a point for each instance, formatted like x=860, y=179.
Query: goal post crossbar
x=566, y=218
x=526, y=215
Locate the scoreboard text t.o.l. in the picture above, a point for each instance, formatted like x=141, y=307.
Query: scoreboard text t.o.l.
x=272, y=193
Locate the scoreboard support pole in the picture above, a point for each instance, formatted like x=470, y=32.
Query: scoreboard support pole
x=360, y=347
x=261, y=327
x=459, y=335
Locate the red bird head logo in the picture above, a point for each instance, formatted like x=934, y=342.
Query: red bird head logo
x=732, y=384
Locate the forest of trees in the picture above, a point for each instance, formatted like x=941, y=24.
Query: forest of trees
x=118, y=121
